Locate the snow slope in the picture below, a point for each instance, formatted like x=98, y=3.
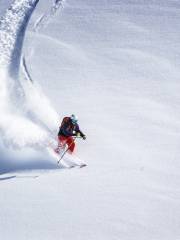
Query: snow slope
x=116, y=64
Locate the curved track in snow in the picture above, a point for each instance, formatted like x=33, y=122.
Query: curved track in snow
x=43, y=20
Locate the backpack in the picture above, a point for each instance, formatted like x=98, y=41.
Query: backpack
x=65, y=120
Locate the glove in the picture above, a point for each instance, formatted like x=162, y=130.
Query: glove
x=78, y=134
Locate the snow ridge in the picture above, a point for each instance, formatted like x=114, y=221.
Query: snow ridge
x=12, y=35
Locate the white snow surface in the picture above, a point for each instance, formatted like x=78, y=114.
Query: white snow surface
x=115, y=64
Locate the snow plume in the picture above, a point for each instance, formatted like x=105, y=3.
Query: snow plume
x=17, y=130
x=27, y=118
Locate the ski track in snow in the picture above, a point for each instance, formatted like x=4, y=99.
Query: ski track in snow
x=43, y=20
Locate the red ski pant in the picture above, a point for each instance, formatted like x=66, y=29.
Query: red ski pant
x=67, y=140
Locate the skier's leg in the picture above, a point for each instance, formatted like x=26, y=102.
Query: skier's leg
x=61, y=144
x=71, y=144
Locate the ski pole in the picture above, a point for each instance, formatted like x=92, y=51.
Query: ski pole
x=66, y=150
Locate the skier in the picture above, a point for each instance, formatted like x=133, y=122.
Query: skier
x=69, y=128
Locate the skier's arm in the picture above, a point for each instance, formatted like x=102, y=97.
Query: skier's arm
x=82, y=134
x=79, y=132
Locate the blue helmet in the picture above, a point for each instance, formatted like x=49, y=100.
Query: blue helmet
x=74, y=118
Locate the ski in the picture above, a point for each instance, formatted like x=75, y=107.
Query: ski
x=76, y=166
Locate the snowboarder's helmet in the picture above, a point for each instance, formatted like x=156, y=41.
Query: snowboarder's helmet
x=74, y=119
